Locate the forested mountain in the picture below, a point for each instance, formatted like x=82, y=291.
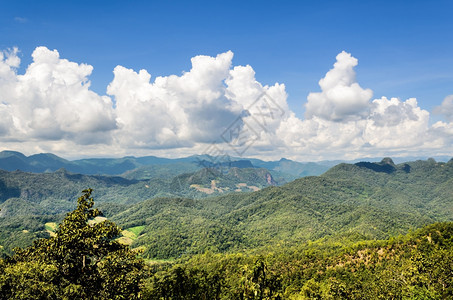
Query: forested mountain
x=354, y=201
x=27, y=197
x=149, y=167
x=86, y=258
x=362, y=200
x=51, y=193
x=330, y=236
x=418, y=265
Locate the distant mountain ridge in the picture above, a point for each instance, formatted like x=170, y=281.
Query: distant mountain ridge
x=151, y=166
x=48, y=162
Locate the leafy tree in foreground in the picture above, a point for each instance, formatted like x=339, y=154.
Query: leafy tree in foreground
x=82, y=261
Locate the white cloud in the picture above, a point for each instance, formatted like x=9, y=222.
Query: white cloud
x=266, y=106
x=396, y=124
x=391, y=125
x=174, y=111
x=341, y=97
x=52, y=100
x=50, y=108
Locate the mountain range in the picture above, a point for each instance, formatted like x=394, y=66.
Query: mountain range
x=233, y=208
x=150, y=166
x=354, y=201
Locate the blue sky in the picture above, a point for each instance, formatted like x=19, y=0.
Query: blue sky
x=404, y=48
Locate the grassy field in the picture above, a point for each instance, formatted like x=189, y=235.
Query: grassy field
x=130, y=234
x=136, y=230
x=51, y=226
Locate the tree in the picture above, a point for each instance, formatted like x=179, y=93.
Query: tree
x=82, y=261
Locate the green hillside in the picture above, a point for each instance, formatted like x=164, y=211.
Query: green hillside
x=341, y=235
x=28, y=195
x=352, y=201
x=418, y=265
x=48, y=162
x=50, y=193
x=162, y=171
x=86, y=258
x=358, y=201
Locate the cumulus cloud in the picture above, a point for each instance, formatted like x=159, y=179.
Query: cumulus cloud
x=52, y=100
x=341, y=97
x=342, y=122
x=393, y=123
x=174, y=111
x=390, y=126
x=50, y=108
x=266, y=107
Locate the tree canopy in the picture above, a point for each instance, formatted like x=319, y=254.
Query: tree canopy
x=83, y=260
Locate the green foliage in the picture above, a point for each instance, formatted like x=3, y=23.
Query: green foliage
x=416, y=266
x=136, y=230
x=20, y=231
x=352, y=202
x=24, y=193
x=326, y=237
x=368, y=200
x=165, y=171
x=238, y=246
x=82, y=261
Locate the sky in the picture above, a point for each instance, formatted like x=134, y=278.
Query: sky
x=305, y=80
